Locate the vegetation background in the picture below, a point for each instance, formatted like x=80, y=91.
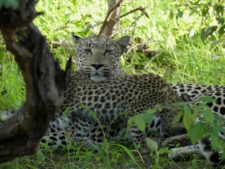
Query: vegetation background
x=186, y=40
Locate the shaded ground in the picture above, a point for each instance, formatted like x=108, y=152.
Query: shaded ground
x=114, y=158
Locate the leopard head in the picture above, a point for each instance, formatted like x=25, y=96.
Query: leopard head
x=99, y=55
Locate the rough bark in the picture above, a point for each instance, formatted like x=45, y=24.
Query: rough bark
x=111, y=18
x=45, y=81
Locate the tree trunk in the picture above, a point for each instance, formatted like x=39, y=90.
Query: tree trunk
x=45, y=81
x=111, y=18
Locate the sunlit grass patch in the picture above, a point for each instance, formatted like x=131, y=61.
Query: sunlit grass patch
x=11, y=86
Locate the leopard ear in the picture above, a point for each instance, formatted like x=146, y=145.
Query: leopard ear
x=123, y=42
x=75, y=39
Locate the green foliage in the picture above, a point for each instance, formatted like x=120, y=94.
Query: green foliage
x=201, y=122
x=9, y=3
x=211, y=13
x=140, y=120
x=188, y=120
x=129, y=153
x=152, y=145
x=11, y=86
x=40, y=156
x=197, y=132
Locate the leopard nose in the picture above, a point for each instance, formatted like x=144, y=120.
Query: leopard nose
x=97, y=66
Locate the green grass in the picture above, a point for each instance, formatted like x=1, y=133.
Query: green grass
x=108, y=155
x=182, y=57
x=12, y=86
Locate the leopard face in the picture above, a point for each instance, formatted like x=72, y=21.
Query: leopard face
x=99, y=56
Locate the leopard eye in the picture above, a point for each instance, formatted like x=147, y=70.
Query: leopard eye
x=108, y=51
x=87, y=50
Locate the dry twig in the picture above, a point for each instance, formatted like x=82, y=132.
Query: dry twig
x=134, y=10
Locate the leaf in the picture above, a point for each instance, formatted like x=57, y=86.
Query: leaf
x=194, y=164
x=197, y=132
x=206, y=99
x=215, y=141
x=164, y=150
x=220, y=20
x=149, y=116
x=205, y=33
x=222, y=30
x=171, y=14
x=9, y=3
x=223, y=155
x=152, y=145
x=209, y=116
x=209, y=31
x=219, y=8
x=40, y=156
x=130, y=122
x=177, y=118
x=140, y=122
x=188, y=120
x=180, y=13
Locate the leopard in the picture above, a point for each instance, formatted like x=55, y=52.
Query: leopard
x=128, y=94
x=194, y=92
x=98, y=57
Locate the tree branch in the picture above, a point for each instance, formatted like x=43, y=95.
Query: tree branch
x=134, y=10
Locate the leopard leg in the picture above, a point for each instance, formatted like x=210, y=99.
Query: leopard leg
x=82, y=131
x=60, y=134
x=213, y=157
x=7, y=114
x=203, y=148
x=176, y=153
x=55, y=139
x=172, y=139
x=79, y=130
x=153, y=130
x=135, y=135
x=56, y=135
